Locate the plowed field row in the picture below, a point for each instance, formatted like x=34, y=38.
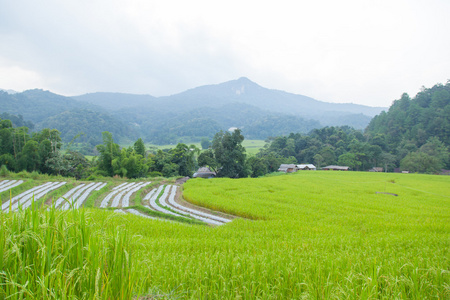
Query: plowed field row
x=9, y=184
x=168, y=205
x=161, y=199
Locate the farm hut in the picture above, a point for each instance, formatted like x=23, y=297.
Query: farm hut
x=204, y=172
x=336, y=168
x=376, y=169
x=287, y=168
x=306, y=167
x=445, y=172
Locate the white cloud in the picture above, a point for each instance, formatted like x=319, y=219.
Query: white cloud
x=367, y=52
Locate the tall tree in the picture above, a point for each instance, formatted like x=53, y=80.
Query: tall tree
x=108, y=152
x=139, y=147
x=230, y=154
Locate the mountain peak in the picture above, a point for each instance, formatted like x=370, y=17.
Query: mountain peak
x=244, y=80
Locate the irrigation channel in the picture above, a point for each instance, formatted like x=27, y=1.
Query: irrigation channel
x=161, y=199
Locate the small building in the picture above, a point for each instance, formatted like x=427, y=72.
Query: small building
x=376, y=169
x=306, y=167
x=336, y=168
x=445, y=172
x=204, y=172
x=287, y=168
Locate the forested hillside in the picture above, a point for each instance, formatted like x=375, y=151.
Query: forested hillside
x=411, y=122
x=68, y=116
x=414, y=135
x=90, y=125
x=185, y=117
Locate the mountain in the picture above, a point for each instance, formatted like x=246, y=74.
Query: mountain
x=9, y=91
x=240, y=91
x=37, y=105
x=91, y=124
x=246, y=91
x=187, y=116
x=115, y=101
x=69, y=116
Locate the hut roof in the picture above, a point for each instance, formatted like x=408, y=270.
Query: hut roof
x=333, y=167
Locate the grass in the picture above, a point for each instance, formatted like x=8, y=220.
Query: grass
x=252, y=146
x=308, y=235
x=64, y=255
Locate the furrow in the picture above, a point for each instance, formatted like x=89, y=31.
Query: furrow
x=100, y=186
x=150, y=194
x=10, y=185
x=43, y=193
x=126, y=198
x=119, y=186
x=194, y=211
x=124, y=190
x=83, y=197
x=66, y=196
x=156, y=207
x=206, y=220
x=3, y=182
x=74, y=198
x=15, y=201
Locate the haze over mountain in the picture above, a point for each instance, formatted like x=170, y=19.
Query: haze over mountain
x=187, y=116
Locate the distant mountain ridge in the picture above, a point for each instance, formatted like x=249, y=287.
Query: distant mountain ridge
x=187, y=116
x=241, y=90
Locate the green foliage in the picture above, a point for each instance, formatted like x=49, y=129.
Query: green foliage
x=108, y=152
x=16, y=121
x=349, y=159
x=421, y=162
x=139, y=148
x=3, y=171
x=154, y=174
x=49, y=254
x=257, y=166
x=329, y=231
x=230, y=154
x=205, y=143
x=414, y=120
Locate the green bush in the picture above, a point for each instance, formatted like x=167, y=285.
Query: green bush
x=4, y=171
x=154, y=174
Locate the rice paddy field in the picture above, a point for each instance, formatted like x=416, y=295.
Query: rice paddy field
x=308, y=235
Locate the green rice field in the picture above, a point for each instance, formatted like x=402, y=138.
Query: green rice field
x=308, y=235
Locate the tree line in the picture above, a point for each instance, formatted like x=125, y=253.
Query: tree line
x=413, y=135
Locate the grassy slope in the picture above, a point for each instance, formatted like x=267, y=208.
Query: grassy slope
x=317, y=235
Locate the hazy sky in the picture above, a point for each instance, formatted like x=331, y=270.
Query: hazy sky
x=359, y=51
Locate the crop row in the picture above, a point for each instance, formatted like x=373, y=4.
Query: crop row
x=25, y=199
x=168, y=205
x=76, y=196
x=122, y=194
x=160, y=199
x=9, y=184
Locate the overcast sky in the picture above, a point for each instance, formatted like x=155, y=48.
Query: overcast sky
x=359, y=51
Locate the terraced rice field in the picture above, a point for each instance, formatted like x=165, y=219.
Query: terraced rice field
x=25, y=199
x=9, y=184
x=166, y=204
x=159, y=199
x=309, y=235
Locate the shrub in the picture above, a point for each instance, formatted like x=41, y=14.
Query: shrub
x=4, y=171
x=154, y=174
